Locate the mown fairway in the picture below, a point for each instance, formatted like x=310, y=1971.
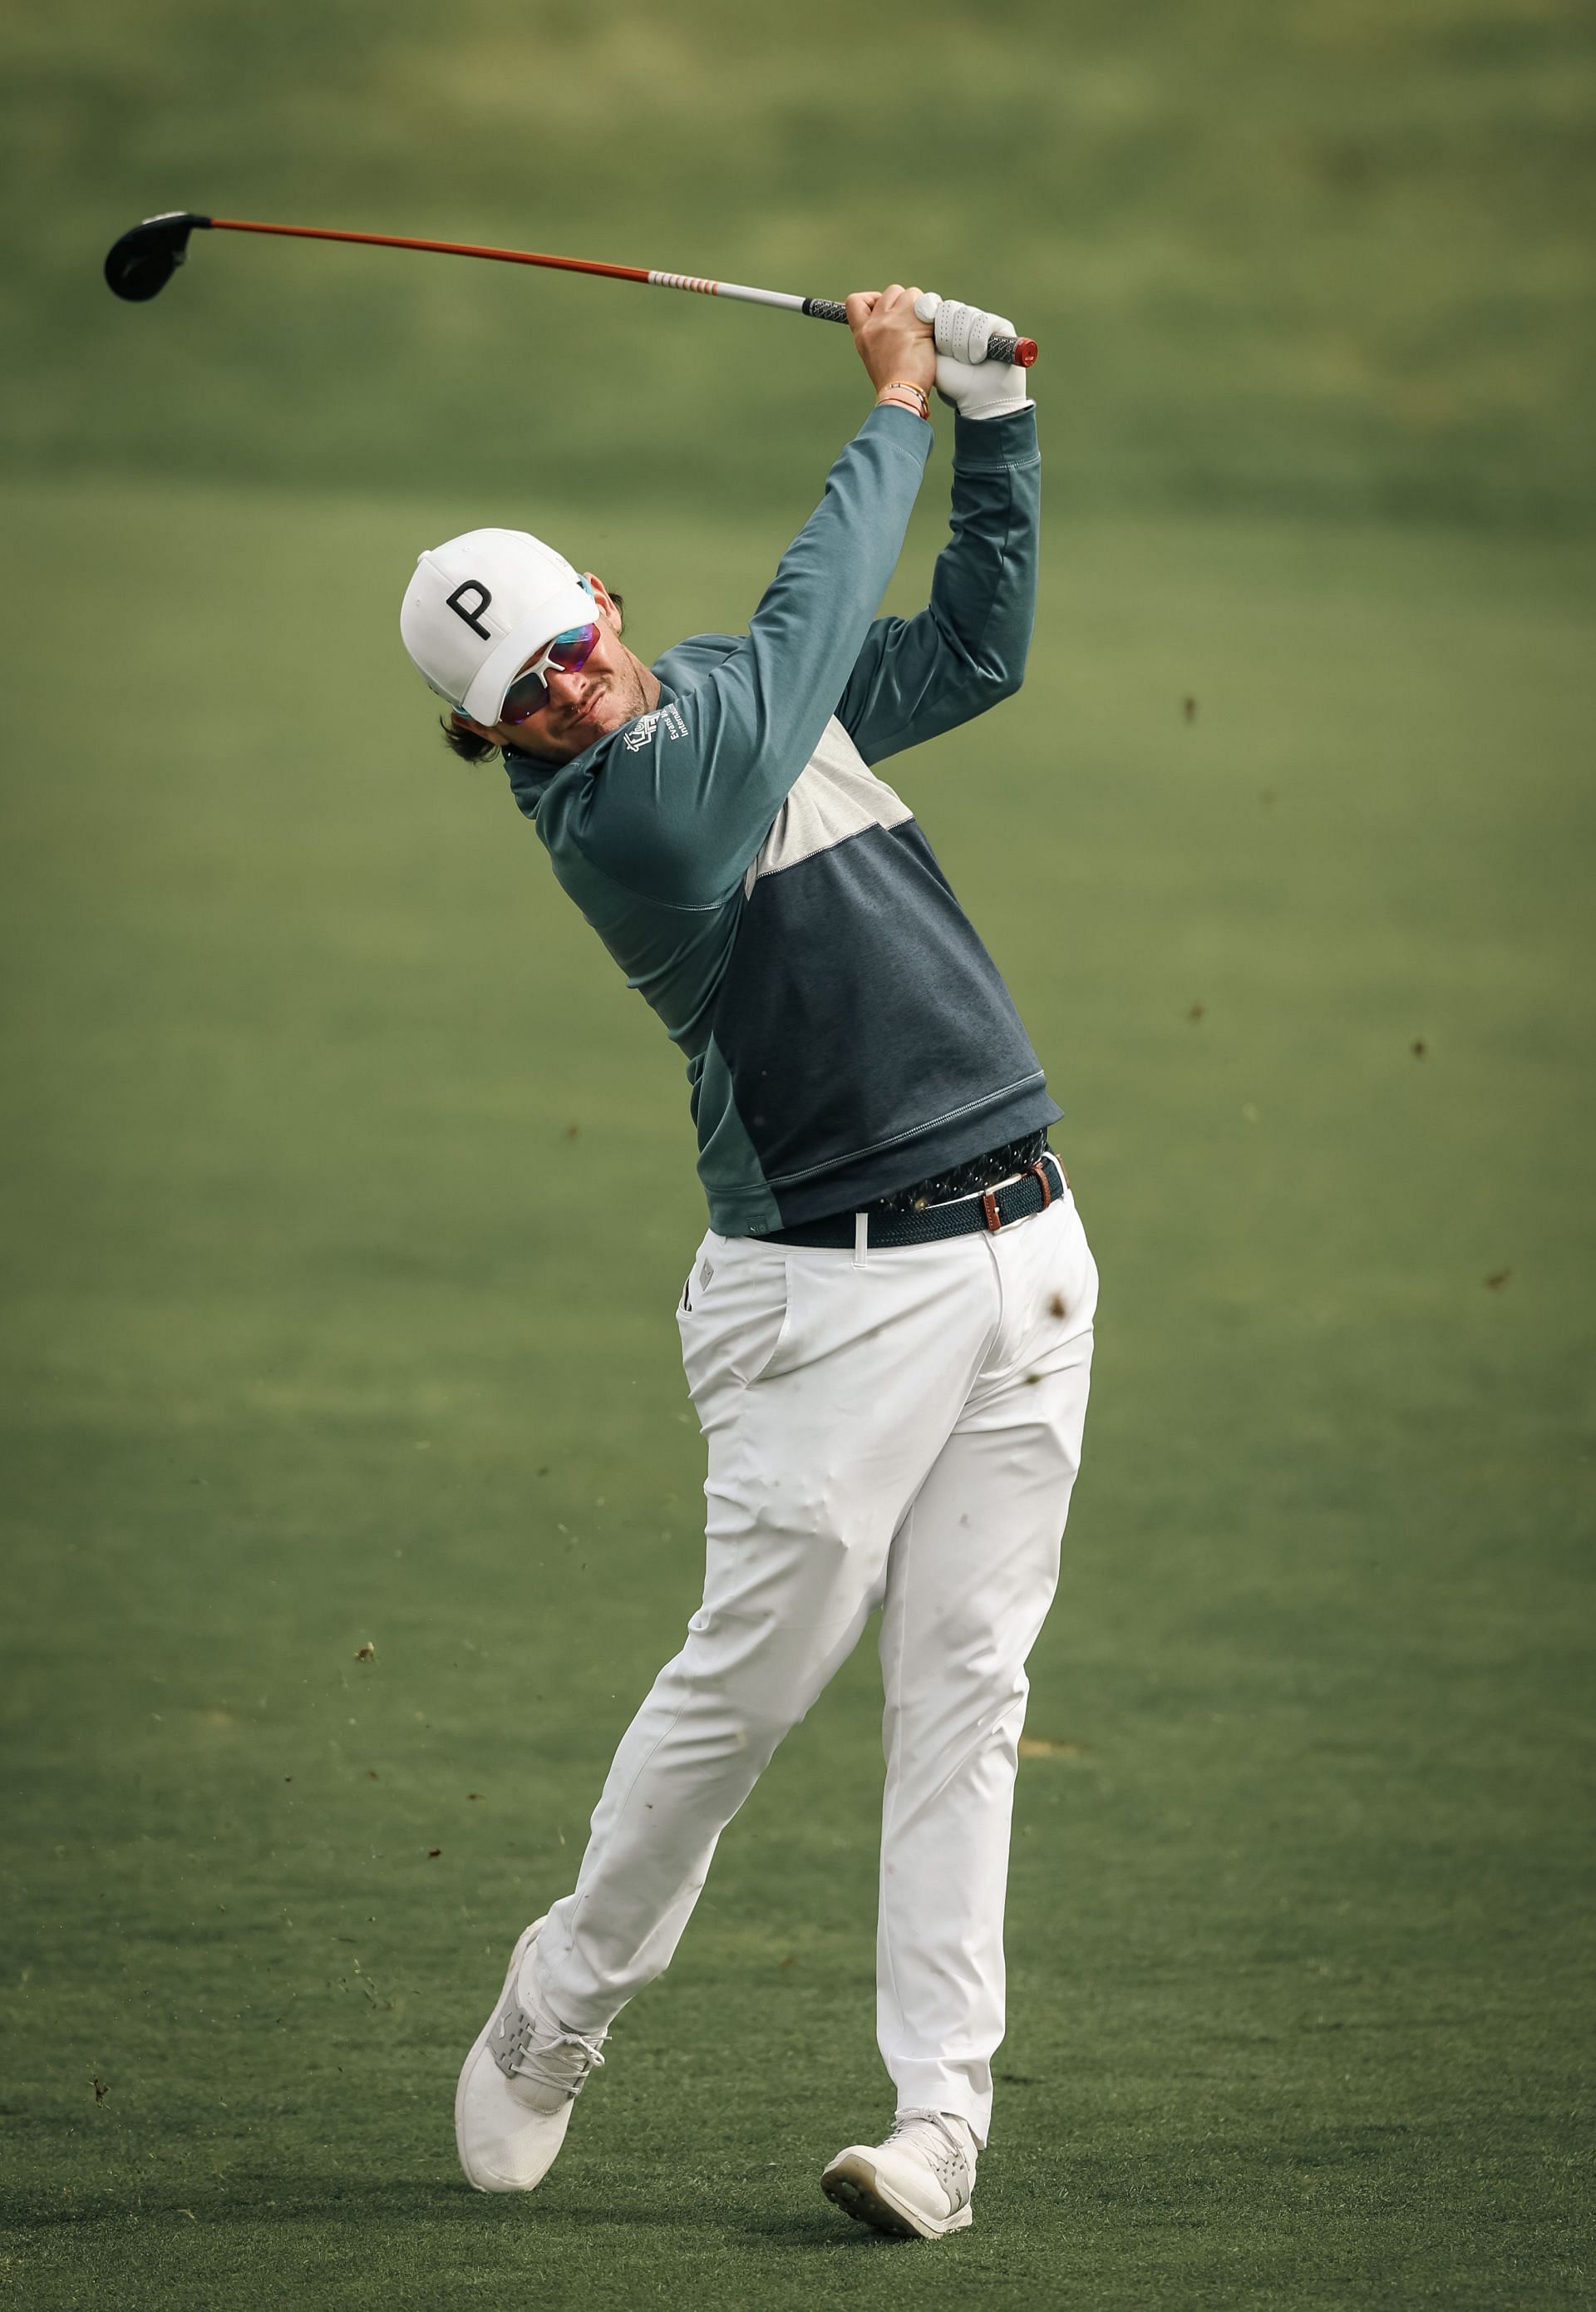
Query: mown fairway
x=347, y=1193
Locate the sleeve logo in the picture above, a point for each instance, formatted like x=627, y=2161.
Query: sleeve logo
x=668, y=719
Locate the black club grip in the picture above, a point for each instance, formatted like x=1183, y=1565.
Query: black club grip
x=999, y=349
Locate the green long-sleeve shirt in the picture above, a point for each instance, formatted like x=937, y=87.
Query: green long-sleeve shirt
x=845, y=1032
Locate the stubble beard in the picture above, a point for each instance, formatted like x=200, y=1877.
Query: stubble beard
x=627, y=697
x=635, y=685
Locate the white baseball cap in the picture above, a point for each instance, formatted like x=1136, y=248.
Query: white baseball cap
x=481, y=606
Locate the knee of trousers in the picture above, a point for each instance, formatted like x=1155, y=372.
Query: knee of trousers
x=751, y=1677
x=963, y=1712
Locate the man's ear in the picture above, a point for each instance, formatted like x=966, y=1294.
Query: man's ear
x=610, y=604
x=478, y=730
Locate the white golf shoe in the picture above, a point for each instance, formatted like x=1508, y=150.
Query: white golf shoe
x=519, y=2082
x=917, y=2184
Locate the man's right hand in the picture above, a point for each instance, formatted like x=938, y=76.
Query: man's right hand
x=894, y=343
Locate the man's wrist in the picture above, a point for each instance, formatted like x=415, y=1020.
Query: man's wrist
x=903, y=393
x=985, y=412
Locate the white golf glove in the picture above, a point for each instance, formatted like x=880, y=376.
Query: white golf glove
x=965, y=379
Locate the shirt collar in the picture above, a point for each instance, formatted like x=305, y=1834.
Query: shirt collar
x=530, y=779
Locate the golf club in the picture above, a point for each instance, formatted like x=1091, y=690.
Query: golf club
x=141, y=263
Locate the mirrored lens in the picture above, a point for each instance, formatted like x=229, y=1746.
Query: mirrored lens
x=528, y=692
x=524, y=697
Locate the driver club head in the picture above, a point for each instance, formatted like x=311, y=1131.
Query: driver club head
x=142, y=263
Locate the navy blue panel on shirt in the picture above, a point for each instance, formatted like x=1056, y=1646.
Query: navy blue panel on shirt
x=870, y=1038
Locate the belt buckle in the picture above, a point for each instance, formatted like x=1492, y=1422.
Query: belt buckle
x=993, y=1218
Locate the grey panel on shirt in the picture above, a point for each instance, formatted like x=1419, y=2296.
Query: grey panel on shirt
x=836, y=795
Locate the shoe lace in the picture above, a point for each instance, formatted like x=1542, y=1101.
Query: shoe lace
x=527, y=2044
x=561, y=2062
x=941, y=2147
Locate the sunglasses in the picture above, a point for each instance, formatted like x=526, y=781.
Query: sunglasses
x=528, y=693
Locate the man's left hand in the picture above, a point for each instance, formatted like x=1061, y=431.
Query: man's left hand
x=965, y=379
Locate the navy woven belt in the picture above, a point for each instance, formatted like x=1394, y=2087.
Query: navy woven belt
x=991, y=1209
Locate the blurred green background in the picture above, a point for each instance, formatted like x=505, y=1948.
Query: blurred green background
x=1327, y=256
x=347, y=1193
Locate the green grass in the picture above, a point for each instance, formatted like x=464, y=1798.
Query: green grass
x=346, y=1199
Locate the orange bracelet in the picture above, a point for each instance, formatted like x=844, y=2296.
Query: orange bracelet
x=896, y=385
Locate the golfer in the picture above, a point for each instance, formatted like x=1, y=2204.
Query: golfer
x=887, y=1330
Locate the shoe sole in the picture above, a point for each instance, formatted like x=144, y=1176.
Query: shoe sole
x=516, y=1955
x=851, y=2184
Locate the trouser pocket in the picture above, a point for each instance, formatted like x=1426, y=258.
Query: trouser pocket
x=733, y=1316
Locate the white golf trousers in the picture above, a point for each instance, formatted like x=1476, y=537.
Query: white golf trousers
x=897, y=1429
